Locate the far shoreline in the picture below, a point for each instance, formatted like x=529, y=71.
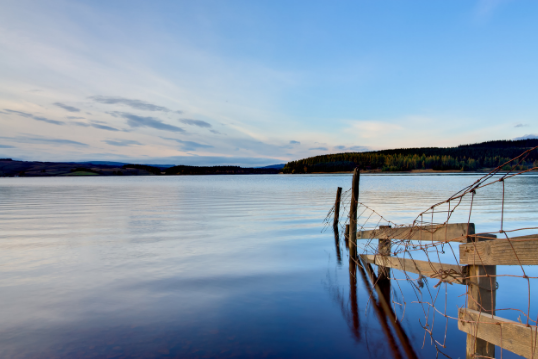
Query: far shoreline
x=422, y=171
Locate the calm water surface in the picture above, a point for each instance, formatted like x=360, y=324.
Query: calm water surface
x=214, y=266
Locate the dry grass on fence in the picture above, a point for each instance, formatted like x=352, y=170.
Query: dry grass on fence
x=434, y=238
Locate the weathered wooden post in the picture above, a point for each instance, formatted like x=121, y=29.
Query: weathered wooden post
x=481, y=297
x=384, y=247
x=352, y=242
x=337, y=208
x=353, y=214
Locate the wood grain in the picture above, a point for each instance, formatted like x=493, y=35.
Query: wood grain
x=504, y=333
x=500, y=252
x=436, y=233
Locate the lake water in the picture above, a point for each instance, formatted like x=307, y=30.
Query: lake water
x=217, y=266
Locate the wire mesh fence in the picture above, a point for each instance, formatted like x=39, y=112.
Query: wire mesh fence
x=433, y=253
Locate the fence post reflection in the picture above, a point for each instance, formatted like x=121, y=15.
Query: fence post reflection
x=337, y=244
x=353, y=295
x=383, y=273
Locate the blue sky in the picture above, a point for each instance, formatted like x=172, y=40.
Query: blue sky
x=261, y=82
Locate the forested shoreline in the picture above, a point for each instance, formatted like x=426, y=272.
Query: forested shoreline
x=471, y=157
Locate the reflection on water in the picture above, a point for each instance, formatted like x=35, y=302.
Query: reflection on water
x=224, y=266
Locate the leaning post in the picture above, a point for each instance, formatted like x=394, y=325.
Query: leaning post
x=353, y=214
x=337, y=208
x=481, y=297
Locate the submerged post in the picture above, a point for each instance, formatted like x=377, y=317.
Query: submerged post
x=337, y=208
x=481, y=297
x=353, y=214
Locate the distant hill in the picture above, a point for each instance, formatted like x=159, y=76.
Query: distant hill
x=40, y=169
x=9, y=167
x=469, y=157
x=119, y=164
x=277, y=167
x=217, y=170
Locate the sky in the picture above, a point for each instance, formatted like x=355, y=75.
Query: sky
x=255, y=83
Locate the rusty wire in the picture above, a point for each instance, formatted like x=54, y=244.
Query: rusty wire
x=404, y=244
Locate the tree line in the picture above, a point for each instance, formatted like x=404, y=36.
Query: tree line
x=469, y=157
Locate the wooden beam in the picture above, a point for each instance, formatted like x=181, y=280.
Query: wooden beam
x=500, y=252
x=456, y=232
x=504, y=333
x=447, y=272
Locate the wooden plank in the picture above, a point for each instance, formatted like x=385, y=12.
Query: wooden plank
x=504, y=333
x=447, y=272
x=443, y=232
x=500, y=252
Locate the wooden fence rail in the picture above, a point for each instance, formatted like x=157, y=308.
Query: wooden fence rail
x=507, y=334
x=456, y=232
x=501, y=252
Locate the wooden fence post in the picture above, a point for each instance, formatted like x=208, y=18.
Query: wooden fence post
x=353, y=214
x=337, y=208
x=481, y=297
x=384, y=247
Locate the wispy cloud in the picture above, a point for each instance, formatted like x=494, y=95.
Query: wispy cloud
x=37, y=118
x=6, y=146
x=82, y=124
x=66, y=107
x=318, y=149
x=188, y=145
x=521, y=125
x=215, y=132
x=103, y=127
x=198, y=123
x=352, y=148
x=75, y=118
x=95, y=124
x=44, y=140
x=295, y=142
x=122, y=143
x=151, y=122
x=136, y=104
x=43, y=119
x=526, y=137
